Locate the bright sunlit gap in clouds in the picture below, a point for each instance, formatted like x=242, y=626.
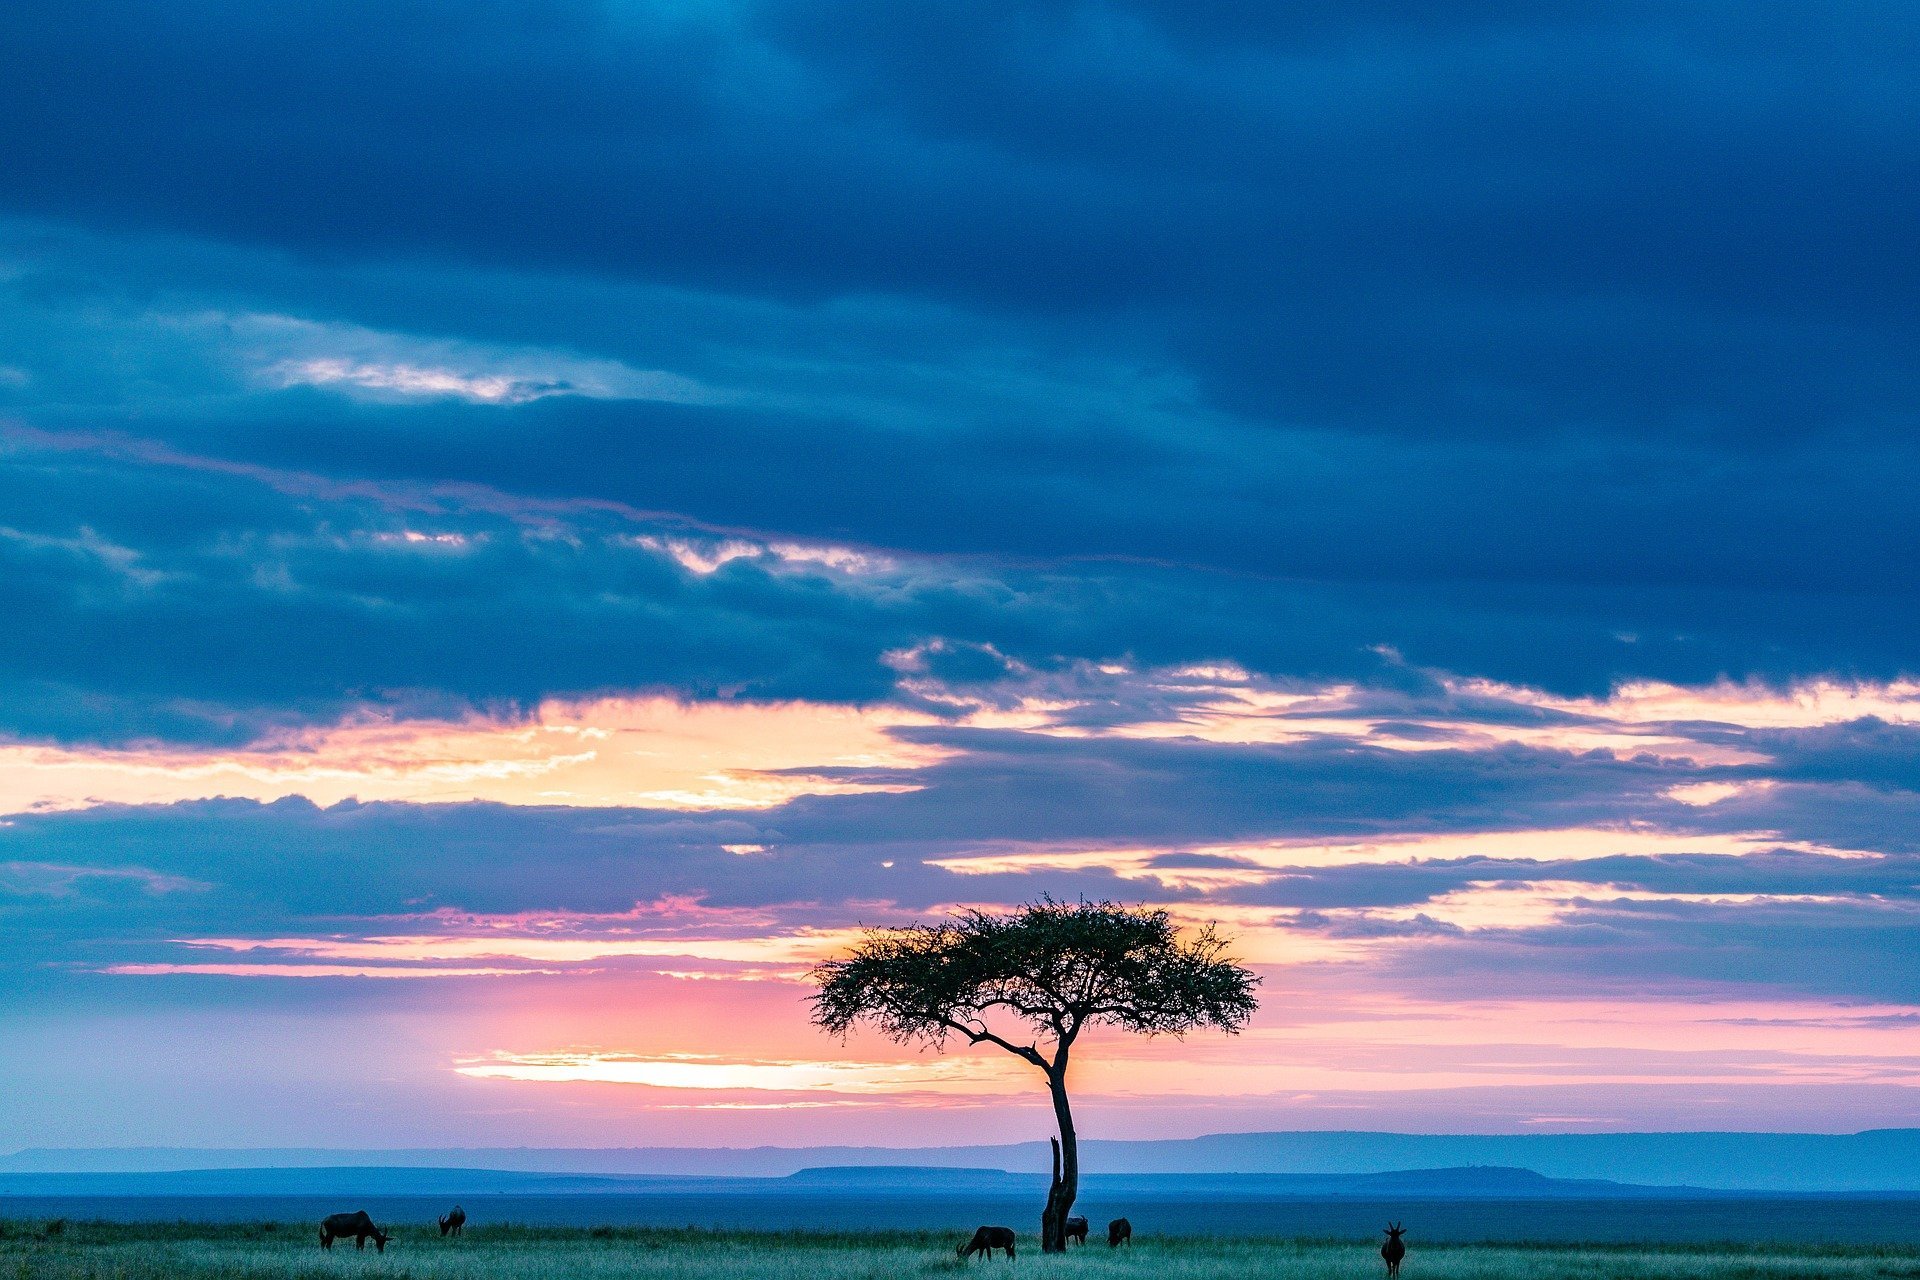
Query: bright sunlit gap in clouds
x=659, y=752
x=656, y=753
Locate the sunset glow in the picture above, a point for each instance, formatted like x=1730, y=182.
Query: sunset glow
x=695, y=1072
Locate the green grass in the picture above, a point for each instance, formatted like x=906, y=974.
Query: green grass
x=243, y=1251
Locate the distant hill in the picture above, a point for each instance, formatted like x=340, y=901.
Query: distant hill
x=1471, y=1181
x=340, y=1180
x=898, y=1177
x=864, y=1182
x=1876, y=1160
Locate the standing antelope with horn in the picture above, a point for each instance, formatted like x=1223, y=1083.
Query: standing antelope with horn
x=1394, y=1249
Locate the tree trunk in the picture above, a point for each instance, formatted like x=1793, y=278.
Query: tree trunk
x=1066, y=1171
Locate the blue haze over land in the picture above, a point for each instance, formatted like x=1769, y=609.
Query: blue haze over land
x=1885, y=1160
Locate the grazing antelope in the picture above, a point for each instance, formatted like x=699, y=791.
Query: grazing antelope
x=1394, y=1249
x=454, y=1223
x=1119, y=1232
x=358, y=1225
x=986, y=1240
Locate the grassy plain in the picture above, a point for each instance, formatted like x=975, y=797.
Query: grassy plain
x=280, y=1251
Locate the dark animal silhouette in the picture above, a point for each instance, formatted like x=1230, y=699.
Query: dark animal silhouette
x=1394, y=1249
x=454, y=1223
x=986, y=1240
x=1074, y=1229
x=358, y=1225
x=1119, y=1232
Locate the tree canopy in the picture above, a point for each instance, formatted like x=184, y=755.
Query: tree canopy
x=1055, y=967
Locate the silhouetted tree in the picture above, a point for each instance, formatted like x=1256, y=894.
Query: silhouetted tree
x=1052, y=970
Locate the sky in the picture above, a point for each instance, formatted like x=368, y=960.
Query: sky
x=526, y=525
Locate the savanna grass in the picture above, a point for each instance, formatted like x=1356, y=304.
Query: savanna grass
x=503, y=1251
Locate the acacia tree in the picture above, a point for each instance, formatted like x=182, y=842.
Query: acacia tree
x=1029, y=982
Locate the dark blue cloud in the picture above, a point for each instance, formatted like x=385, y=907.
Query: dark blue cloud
x=1013, y=787
x=157, y=589
x=1611, y=219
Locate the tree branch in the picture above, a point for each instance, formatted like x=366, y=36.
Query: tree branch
x=977, y=1035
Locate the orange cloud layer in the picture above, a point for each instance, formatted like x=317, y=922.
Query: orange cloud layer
x=657, y=753
x=804, y=946
x=1251, y=863
x=642, y=752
